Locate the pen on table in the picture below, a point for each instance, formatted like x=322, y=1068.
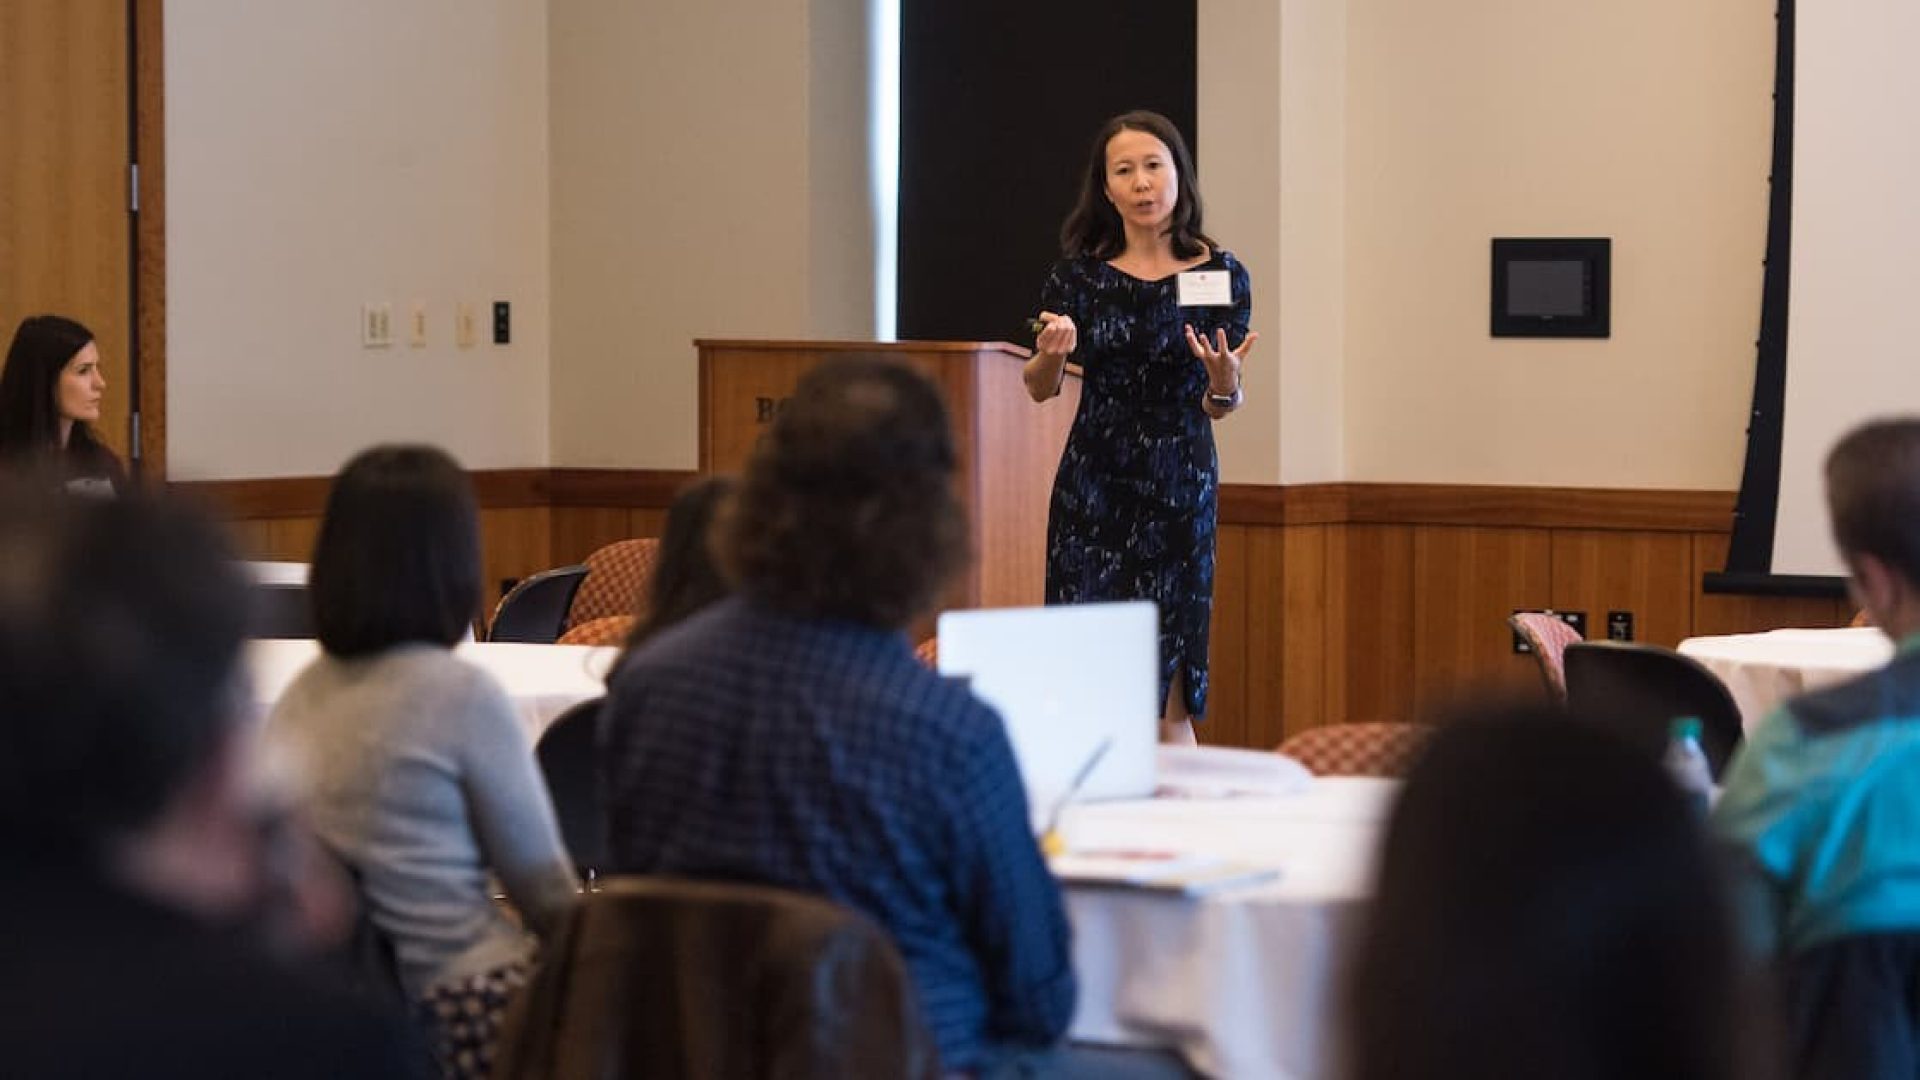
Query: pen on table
x=1051, y=842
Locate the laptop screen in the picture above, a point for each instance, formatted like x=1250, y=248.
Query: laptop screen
x=1069, y=682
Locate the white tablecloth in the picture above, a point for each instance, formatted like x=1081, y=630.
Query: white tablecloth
x=1244, y=983
x=276, y=574
x=1763, y=670
x=543, y=681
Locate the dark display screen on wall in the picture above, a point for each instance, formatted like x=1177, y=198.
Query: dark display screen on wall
x=999, y=102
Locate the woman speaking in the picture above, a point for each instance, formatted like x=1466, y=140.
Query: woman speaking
x=1155, y=312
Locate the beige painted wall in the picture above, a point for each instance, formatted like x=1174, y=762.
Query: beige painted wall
x=1238, y=134
x=706, y=174
x=324, y=156
x=709, y=180
x=1642, y=120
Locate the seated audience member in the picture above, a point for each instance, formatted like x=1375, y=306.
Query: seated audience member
x=1546, y=906
x=1822, y=802
x=422, y=779
x=49, y=395
x=136, y=851
x=786, y=736
x=686, y=578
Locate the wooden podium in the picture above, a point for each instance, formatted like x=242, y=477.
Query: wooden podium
x=1008, y=446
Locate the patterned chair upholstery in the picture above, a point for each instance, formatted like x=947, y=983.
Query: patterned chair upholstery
x=1363, y=749
x=928, y=653
x=608, y=630
x=617, y=583
x=1548, y=636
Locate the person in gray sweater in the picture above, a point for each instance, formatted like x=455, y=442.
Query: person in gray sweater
x=420, y=777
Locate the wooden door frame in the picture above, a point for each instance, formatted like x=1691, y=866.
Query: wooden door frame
x=149, y=331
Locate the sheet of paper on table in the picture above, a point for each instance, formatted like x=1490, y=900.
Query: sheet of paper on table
x=1184, y=874
x=1216, y=772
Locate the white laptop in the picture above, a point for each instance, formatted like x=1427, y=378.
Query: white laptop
x=1067, y=680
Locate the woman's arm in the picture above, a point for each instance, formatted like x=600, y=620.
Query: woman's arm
x=1048, y=366
x=513, y=814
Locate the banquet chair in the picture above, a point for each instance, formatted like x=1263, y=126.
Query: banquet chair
x=567, y=751
x=619, y=581
x=1375, y=748
x=1547, y=636
x=673, y=979
x=607, y=630
x=535, y=610
x=1639, y=690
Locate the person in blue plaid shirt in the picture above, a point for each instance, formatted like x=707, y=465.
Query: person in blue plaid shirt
x=787, y=736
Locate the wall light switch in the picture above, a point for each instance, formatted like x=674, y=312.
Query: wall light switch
x=376, y=326
x=417, y=324
x=465, y=326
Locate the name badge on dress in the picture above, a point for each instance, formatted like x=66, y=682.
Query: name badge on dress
x=1205, y=288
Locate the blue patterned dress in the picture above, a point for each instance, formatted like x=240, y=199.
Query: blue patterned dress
x=1133, y=506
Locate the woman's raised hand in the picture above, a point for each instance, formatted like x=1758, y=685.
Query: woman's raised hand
x=1222, y=363
x=1058, y=336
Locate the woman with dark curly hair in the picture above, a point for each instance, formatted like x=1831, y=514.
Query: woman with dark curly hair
x=1155, y=312
x=50, y=393
x=787, y=736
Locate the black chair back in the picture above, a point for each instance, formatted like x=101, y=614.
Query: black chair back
x=536, y=610
x=280, y=611
x=566, y=752
x=1641, y=689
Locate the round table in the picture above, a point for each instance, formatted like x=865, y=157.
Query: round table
x=1242, y=983
x=542, y=681
x=1764, y=670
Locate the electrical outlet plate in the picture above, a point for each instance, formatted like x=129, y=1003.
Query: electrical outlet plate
x=465, y=326
x=376, y=325
x=502, y=322
x=1619, y=626
x=417, y=324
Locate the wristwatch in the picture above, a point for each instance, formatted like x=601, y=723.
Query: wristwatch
x=1225, y=401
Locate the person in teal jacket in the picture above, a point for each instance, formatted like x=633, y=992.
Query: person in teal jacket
x=1822, y=803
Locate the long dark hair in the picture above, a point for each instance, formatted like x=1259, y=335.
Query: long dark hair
x=1094, y=227
x=42, y=347
x=686, y=576
x=398, y=555
x=1546, y=906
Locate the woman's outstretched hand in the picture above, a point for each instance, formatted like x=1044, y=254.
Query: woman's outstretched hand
x=1222, y=363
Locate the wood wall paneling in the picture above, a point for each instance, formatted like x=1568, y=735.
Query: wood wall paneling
x=1466, y=581
x=1227, y=722
x=579, y=531
x=514, y=543
x=1649, y=574
x=65, y=235
x=1267, y=637
x=1370, y=624
x=1721, y=614
x=1303, y=607
x=150, y=271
